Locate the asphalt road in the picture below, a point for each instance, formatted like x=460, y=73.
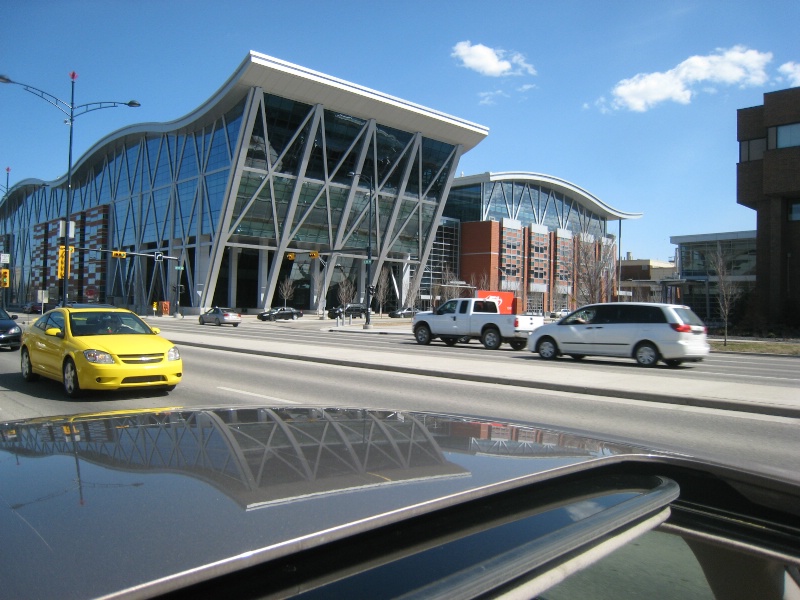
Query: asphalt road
x=698, y=410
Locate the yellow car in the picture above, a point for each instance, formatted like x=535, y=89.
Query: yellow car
x=95, y=347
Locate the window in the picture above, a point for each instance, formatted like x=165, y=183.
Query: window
x=752, y=149
x=788, y=135
x=794, y=211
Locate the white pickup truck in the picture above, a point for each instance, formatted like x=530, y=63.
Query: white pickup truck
x=463, y=319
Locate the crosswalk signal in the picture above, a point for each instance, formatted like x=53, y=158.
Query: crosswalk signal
x=4, y=278
x=290, y=256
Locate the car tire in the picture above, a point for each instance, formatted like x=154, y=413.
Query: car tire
x=423, y=335
x=518, y=344
x=450, y=341
x=491, y=339
x=646, y=355
x=201, y=321
x=72, y=387
x=26, y=367
x=217, y=323
x=235, y=324
x=673, y=362
x=577, y=356
x=547, y=348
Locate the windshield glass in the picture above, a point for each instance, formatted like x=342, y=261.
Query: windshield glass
x=106, y=323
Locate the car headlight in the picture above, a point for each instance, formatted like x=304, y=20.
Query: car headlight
x=14, y=330
x=98, y=357
x=173, y=354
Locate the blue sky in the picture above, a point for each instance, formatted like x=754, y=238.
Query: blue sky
x=634, y=101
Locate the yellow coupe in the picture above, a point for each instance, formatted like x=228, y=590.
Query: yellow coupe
x=98, y=347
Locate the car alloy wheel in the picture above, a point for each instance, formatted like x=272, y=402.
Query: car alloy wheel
x=26, y=366
x=646, y=355
x=491, y=339
x=71, y=386
x=423, y=335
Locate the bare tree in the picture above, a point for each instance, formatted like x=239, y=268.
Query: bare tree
x=347, y=291
x=286, y=289
x=412, y=293
x=481, y=282
x=449, y=288
x=594, y=270
x=728, y=290
x=382, y=288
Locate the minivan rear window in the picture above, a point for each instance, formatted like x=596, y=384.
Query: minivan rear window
x=688, y=317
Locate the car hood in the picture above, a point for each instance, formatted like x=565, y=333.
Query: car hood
x=125, y=343
x=100, y=503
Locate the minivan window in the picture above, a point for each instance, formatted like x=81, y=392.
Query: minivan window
x=688, y=317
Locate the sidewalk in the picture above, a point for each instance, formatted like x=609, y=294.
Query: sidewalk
x=522, y=369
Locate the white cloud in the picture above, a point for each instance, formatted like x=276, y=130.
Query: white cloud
x=489, y=98
x=491, y=61
x=791, y=70
x=734, y=66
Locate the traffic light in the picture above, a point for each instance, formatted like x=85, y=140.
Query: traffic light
x=118, y=254
x=290, y=256
x=313, y=254
x=372, y=289
x=4, y=278
x=60, y=270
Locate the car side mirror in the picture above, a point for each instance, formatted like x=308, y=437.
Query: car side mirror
x=155, y=330
x=55, y=332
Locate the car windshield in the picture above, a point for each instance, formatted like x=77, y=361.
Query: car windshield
x=4, y=314
x=106, y=323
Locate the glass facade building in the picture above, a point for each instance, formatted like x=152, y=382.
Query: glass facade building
x=540, y=226
x=271, y=180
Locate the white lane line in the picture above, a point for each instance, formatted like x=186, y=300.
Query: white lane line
x=262, y=396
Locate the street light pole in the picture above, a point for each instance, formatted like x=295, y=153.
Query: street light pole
x=368, y=320
x=72, y=111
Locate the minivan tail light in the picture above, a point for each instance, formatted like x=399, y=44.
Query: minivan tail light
x=681, y=328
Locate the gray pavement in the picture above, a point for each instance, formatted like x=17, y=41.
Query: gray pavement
x=537, y=374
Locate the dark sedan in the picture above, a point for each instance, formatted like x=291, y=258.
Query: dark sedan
x=403, y=313
x=280, y=313
x=266, y=501
x=10, y=332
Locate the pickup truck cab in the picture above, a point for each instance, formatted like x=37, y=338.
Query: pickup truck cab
x=463, y=319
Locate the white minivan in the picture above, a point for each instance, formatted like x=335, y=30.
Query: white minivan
x=646, y=332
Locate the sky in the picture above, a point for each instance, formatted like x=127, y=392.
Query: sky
x=634, y=101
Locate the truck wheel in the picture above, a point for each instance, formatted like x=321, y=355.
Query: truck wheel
x=518, y=344
x=490, y=338
x=423, y=335
x=547, y=348
x=449, y=341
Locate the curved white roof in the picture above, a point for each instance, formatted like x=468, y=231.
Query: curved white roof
x=561, y=185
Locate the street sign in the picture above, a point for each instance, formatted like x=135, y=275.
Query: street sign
x=5, y=259
x=179, y=268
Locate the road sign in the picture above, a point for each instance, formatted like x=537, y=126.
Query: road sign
x=179, y=268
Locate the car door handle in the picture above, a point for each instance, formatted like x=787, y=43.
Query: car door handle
x=454, y=317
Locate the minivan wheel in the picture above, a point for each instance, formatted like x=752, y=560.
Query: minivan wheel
x=423, y=335
x=646, y=355
x=547, y=348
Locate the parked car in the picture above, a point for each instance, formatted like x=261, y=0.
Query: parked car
x=10, y=332
x=221, y=316
x=403, y=313
x=32, y=308
x=286, y=313
x=646, y=332
x=276, y=502
x=349, y=310
x=560, y=313
x=97, y=347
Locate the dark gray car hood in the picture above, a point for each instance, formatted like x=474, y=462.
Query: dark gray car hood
x=95, y=504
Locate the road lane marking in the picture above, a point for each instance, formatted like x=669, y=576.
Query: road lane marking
x=262, y=396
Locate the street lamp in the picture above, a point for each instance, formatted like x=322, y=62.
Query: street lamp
x=368, y=321
x=72, y=111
